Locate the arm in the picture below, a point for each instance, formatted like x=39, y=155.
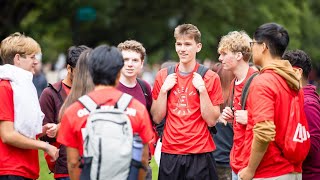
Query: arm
x=73, y=163
x=159, y=106
x=209, y=112
x=13, y=138
x=263, y=133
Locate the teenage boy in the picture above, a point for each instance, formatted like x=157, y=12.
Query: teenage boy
x=104, y=65
x=190, y=104
x=274, y=103
x=51, y=101
x=301, y=61
x=133, y=56
x=235, y=52
x=20, y=113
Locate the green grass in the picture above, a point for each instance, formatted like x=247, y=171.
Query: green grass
x=44, y=171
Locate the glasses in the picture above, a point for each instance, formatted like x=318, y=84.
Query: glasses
x=251, y=43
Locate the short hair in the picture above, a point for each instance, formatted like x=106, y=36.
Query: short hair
x=188, y=30
x=275, y=36
x=105, y=64
x=17, y=43
x=299, y=58
x=236, y=41
x=74, y=53
x=133, y=45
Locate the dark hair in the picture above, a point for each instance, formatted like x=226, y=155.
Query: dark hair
x=74, y=53
x=275, y=37
x=299, y=59
x=105, y=64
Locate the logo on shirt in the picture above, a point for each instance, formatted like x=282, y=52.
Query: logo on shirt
x=301, y=134
x=182, y=107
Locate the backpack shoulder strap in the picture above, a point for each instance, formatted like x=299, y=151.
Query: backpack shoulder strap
x=123, y=101
x=202, y=70
x=88, y=103
x=171, y=69
x=143, y=87
x=245, y=90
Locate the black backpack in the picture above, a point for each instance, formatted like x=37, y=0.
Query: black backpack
x=171, y=69
x=244, y=93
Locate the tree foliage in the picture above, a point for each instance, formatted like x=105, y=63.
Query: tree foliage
x=58, y=24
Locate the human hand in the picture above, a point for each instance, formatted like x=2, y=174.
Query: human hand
x=198, y=82
x=245, y=174
x=241, y=116
x=52, y=151
x=51, y=129
x=170, y=81
x=226, y=115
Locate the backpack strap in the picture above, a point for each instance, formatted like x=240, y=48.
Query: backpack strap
x=202, y=70
x=171, y=69
x=123, y=101
x=88, y=103
x=245, y=90
x=145, y=93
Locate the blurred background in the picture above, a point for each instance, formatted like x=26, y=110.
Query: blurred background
x=58, y=24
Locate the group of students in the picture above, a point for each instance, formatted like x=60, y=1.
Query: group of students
x=251, y=136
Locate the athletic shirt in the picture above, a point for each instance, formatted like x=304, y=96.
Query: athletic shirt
x=135, y=91
x=13, y=160
x=186, y=132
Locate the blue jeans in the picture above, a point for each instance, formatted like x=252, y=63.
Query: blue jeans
x=234, y=176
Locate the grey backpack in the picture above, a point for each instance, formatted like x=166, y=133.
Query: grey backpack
x=107, y=141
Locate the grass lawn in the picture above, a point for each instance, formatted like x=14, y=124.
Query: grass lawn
x=44, y=171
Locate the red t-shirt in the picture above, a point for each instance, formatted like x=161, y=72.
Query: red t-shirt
x=75, y=118
x=14, y=161
x=185, y=130
x=269, y=99
x=239, y=130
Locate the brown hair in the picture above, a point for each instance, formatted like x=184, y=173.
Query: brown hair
x=82, y=82
x=133, y=45
x=189, y=30
x=17, y=43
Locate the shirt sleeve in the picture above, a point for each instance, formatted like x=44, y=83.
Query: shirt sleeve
x=47, y=105
x=313, y=116
x=261, y=100
x=6, y=103
x=158, y=83
x=213, y=86
x=66, y=135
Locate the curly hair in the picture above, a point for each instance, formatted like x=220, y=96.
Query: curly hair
x=299, y=58
x=133, y=45
x=236, y=41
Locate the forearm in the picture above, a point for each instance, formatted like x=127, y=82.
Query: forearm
x=13, y=138
x=159, y=107
x=73, y=163
x=209, y=112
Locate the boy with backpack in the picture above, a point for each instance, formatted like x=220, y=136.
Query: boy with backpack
x=133, y=55
x=277, y=138
x=189, y=103
x=105, y=142
x=235, y=52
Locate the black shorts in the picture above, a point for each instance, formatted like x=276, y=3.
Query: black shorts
x=187, y=167
x=11, y=177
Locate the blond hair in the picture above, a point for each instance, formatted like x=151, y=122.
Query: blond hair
x=188, y=30
x=133, y=45
x=236, y=41
x=17, y=43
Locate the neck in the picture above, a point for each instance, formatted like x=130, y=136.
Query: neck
x=97, y=87
x=241, y=70
x=268, y=60
x=304, y=82
x=67, y=81
x=187, y=67
x=128, y=82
